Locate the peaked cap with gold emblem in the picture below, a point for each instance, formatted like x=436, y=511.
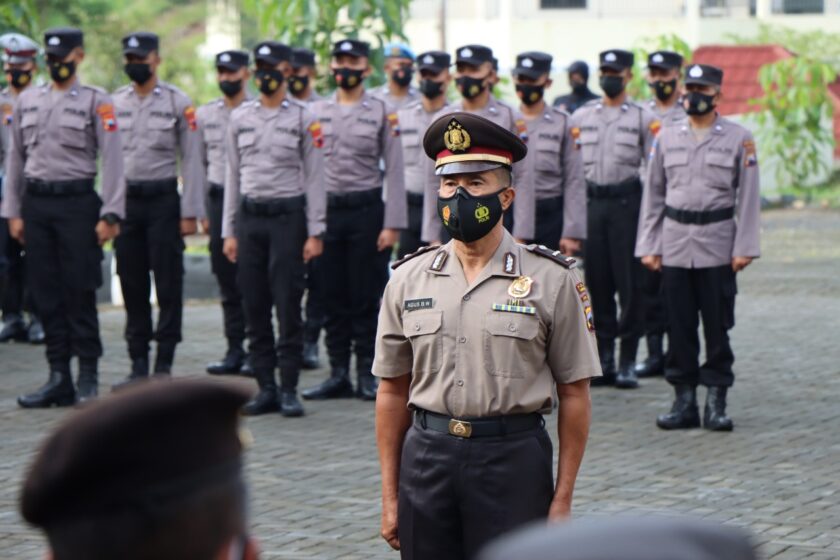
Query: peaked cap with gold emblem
x=466, y=143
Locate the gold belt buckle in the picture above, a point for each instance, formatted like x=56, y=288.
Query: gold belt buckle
x=460, y=428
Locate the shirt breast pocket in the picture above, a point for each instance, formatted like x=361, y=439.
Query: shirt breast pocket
x=511, y=347
x=71, y=132
x=285, y=149
x=423, y=330
x=589, y=146
x=548, y=156
x=675, y=163
x=365, y=141
x=720, y=170
x=213, y=137
x=627, y=148
x=245, y=142
x=29, y=128
x=161, y=134
x=411, y=149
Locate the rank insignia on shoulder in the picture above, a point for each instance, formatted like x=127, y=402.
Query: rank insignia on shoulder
x=510, y=260
x=556, y=256
x=524, y=309
x=396, y=264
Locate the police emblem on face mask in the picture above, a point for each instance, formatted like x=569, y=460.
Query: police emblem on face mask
x=473, y=90
x=456, y=138
x=695, y=72
x=446, y=213
x=520, y=287
x=133, y=42
x=351, y=80
x=482, y=213
x=702, y=106
x=297, y=86
x=63, y=72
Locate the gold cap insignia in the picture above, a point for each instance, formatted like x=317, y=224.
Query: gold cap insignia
x=456, y=138
x=520, y=287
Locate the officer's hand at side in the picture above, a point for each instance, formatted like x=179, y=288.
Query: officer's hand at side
x=387, y=238
x=652, y=262
x=738, y=263
x=560, y=510
x=312, y=248
x=205, y=225
x=389, y=523
x=16, y=229
x=569, y=246
x=106, y=232
x=189, y=226
x=230, y=249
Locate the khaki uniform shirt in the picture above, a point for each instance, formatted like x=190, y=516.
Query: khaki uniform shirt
x=384, y=93
x=721, y=171
x=158, y=130
x=557, y=167
x=414, y=121
x=213, y=121
x=271, y=154
x=524, y=209
x=354, y=143
x=468, y=359
x=57, y=136
x=613, y=143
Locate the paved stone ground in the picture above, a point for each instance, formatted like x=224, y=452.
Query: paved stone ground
x=315, y=480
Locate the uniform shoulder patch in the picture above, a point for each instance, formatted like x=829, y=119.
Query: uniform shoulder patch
x=417, y=253
x=556, y=256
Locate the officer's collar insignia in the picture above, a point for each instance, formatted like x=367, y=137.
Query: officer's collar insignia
x=54, y=40
x=510, y=263
x=695, y=72
x=456, y=138
x=440, y=260
x=610, y=57
x=133, y=42
x=520, y=287
x=509, y=308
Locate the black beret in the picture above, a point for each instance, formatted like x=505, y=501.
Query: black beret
x=665, y=59
x=272, y=52
x=462, y=142
x=302, y=57
x=436, y=61
x=232, y=60
x=153, y=443
x=59, y=41
x=533, y=64
x=616, y=59
x=474, y=55
x=140, y=43
x=704, y=75
x=351, y=47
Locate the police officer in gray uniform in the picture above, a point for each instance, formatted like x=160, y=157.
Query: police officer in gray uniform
x=359, y=131
x=556, y=166
x=399, y=70
x=57, y=133
x=614, y=135
x=302, y=80
x=700, y=225
x=213, y=117
x=433, y=67
x=159, y=131
x=274, y=221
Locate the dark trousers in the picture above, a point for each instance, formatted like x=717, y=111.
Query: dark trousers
x=272, y=274
x=225, y=272
x=353, y=272
x=456, y=495
x=65, y=260
x=611, y=268
x=410, y=237
x=150, y=241
x=653, y=303
x=17, y=297
x=691, y=293
x=548, y=228
x=314, y=302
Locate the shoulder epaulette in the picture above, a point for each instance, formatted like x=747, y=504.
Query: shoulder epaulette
x=96, y=89
x=123, y=88
x=560, y=111
x=591, y=103
x=556, y=256
x=417, y=253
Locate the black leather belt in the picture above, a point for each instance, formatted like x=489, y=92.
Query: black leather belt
x=59, y=188
x=216, y=190
x=273, y=207
x=151, y=188
x=550, y=204
x=699, y=217
x=353, y=199
x=478, y=427
x=414, y=199
x=617, y=190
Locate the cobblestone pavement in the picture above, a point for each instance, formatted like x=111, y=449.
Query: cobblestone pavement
x=314, y=480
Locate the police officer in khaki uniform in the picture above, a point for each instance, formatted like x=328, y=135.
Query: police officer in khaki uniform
x=359, y=131
x=434, y=75
x=57, y=133
x=556, y=166
x=19, y=66
x=232, y=72
x=700, y=226
x=274, y=221
x=473, y=339
x=159, y=136
x=474, y=78
x=399, y=70
x=614, y=135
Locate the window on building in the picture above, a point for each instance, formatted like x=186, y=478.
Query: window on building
x=563, y=4
x=798, y=6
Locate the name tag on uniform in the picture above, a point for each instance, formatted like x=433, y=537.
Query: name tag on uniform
x=525, y=310
x=415, y=304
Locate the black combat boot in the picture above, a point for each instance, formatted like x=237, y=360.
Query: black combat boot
x=88, y=383
x=57, y=391
x=684, y=413
x=366, y=386
x=337, y=386
x=139, y=373
x=247, y=370
x=625, y=377
x=266, y=400
x=714, y=416
x=290, y=406
x=163, y=359
x=606, y=353
x=232, y=362
x=35, y=330
x=13, y=328
x=310, y=355
x=654, y=364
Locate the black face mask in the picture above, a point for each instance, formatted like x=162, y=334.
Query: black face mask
x=468, y=218
x=138, y=72
x=530, y=94
x=663, y=90
x=696, y=103
x=20, y=78
x=230, y=87
x=431, y=89
x=470, y=87
x=62, y=71
x=402, y=76
x=612, y=85
x=268, y=81
x=347, y=78
x=298, y=84
x=577, y=87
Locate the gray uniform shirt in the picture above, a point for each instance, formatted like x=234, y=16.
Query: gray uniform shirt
x=271, y=154
x=156, y=131
x=414, y=121
x=557, y=167
x=7, y=103
x=721, y=171
x=383, y=92
x=674, y=114
x=56, y=136
x=213, y=121
x=313, y=97
x=524, y=210
x=354, y=142
x=613, y=142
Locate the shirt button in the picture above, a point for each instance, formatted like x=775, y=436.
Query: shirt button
x=462, y=339
x=416, y=326
x=460, y=383
x=467, y=297
x=512, y=327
